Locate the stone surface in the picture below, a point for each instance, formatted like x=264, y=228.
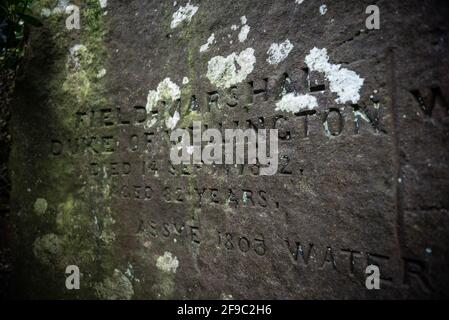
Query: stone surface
x=362, y=179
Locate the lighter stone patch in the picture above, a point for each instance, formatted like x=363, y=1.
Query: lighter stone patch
x=243, y=34
x=167, y=262
x=172, y=121
x=345, y=83
x=103, y=3
x=183, y=14
x=293, y=102
x=279, y=52
x=167, y=90
x=323, y=9
x=223, y=73
x=210, y=41
x=299, y=1
x=40, y=206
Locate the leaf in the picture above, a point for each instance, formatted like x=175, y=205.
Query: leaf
x=30, y=20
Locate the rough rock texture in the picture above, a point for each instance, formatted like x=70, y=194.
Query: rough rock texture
x=361, y=181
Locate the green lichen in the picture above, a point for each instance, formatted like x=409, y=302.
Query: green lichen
x=116, y=287
x=165, y=286
x=48, y=249
x=40, y=206
x=80, y=81
x=82, y=229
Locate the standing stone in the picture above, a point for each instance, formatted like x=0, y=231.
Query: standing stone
x=363, y=171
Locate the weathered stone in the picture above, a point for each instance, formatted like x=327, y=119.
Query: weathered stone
x=363, y=151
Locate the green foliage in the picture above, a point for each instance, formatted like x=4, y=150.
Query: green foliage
x=15, y=18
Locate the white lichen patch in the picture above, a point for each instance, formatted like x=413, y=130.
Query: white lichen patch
x=61, y=7
x=225, y=296
x=224, y=72
x=171, y=122
x=345, y=83
x=244, y=30
x=78, y=54
x=185, y=80
x=166, y=91
x=210, y=41
x=101, y=73
x=167, y=262
x=293, y=102
x=279, y=52
x=243, y=34
x=103, y=3
x=183, y=14
x=299, y=1
x=45, y=12
x=323, y=9
x=152, y=99
x=40, y=206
